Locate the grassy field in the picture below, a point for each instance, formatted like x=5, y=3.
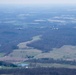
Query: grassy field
x=67, y=52
x=25, y=53
x=23, y=45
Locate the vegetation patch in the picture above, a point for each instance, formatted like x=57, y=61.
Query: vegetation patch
x=66, y=52
x=25, y=53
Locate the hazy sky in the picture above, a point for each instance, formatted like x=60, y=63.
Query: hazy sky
x=37, y=1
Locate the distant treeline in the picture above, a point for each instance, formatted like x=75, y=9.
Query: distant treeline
x=50, y=60
x=39, y=71
x=6, y=64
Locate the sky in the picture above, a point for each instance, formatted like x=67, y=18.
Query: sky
x=38, y=2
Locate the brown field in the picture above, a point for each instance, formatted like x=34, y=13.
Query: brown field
x=12, y=59
x=23, y=45
x=67, y=52
x=25, y=53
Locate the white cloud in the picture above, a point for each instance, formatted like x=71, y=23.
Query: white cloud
x=9, y=21
x=33, y=23
x=68, y=18
x=22, y=15
x=40, y=20
x=58, y=21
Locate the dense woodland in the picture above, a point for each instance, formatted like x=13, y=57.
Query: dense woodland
x=55, y=39
x=7, y=64
x=19, y=25
x=39, y=71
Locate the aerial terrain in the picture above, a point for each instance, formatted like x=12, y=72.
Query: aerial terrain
x=35, y=37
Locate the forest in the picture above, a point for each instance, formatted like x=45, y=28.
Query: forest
x=38, y=71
